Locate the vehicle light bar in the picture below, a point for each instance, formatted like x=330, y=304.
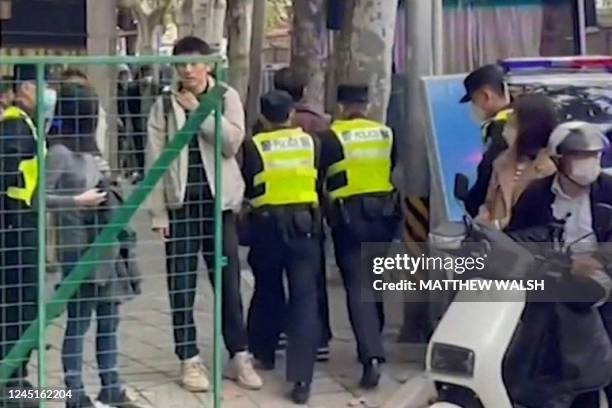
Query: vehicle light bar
x=576, y=63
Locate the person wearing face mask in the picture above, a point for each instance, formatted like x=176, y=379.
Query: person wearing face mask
x=487, y=92
x=18, y=223
x=572, y=194
x=533, y=119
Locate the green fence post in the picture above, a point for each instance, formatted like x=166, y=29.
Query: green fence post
x=219, y=258
x=70, y=285
x=42, y=228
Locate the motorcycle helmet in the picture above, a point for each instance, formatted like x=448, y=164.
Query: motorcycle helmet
x=576, y=136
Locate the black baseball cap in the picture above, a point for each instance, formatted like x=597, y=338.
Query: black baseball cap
x=491, y=75
x=276, y=106
x=353, y=93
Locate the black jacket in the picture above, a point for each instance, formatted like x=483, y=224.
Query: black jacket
x=496, y=144
x=16, y=144
x=558, y=349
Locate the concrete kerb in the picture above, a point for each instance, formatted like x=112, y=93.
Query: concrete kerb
x=415, y=393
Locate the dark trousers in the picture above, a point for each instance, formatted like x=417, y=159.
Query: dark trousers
x=192, y=233
x=290, y=245
x=366, y=315
x=138, y=138
x=80, y=313
x=322, y=297
x=18, y=286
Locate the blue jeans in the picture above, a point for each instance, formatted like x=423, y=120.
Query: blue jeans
x=80, y=311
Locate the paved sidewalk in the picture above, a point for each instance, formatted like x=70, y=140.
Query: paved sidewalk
x=148, y=365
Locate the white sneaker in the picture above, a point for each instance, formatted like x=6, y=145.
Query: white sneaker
x=240, y=369
x=193, y=375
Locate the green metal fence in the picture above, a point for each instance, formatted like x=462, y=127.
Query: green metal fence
x=50, y=308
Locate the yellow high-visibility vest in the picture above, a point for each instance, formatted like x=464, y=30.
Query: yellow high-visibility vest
x=289, y=175
x=366, y=166
x=27, y=167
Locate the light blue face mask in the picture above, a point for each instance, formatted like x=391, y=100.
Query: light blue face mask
x=49, y=101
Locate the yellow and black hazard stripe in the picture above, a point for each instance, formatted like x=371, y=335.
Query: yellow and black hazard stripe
x=416, y=223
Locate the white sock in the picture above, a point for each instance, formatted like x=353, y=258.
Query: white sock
x=241, y=354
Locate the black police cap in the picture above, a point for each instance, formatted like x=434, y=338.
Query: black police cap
x=491, y=75
x=353, y=93
x=276, y=106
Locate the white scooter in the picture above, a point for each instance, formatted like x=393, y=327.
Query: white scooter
x=466, y=351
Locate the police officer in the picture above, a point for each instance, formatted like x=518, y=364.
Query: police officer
x=357, y=160
x=280, y=171
x=18, y=224
x=486, y=90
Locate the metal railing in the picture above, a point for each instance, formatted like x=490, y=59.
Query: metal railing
x=48, y=310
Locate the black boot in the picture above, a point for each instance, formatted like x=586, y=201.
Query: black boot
x=300, y=393
x=80, y=400
x=119, y=400
x=371, y=374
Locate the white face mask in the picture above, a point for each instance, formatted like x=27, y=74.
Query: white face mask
x=585, y=171
x=477, y=114
x=49, y=101
x=148, y=79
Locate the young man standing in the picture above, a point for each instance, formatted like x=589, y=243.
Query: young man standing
x=182, y=214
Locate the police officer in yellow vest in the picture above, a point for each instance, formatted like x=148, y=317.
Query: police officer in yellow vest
x=18, y=223
x=280, y=171
x=357, y=160
x=487, y=92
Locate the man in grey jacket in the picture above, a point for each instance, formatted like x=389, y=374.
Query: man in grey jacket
x=182, y=211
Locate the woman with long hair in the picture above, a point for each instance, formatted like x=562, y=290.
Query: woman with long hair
x=527, y=131
x=75, y=176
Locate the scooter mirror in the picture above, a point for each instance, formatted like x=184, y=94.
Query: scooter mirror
x=602, y=216
x=462, y=186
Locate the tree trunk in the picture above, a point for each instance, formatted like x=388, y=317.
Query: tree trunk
x=209, y=20
x=102, y=40
x=239, y=26
x=307, y=47
x=184, y=18
x=257, y=37
x=364, y=52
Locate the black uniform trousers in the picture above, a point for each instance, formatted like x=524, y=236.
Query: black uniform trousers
x=192, y=233
x=288, y=240
x=359, y=220
x=18, y=282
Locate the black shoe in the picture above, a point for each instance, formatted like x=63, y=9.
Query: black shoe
x=80, y=400
x=117, y=400
x=300, y=393
x=371, y=374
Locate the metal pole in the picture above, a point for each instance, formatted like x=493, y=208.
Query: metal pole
x=218, y=255
x=41, y=229
x=257, y=40
x=438, y=37
x=581, y=32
